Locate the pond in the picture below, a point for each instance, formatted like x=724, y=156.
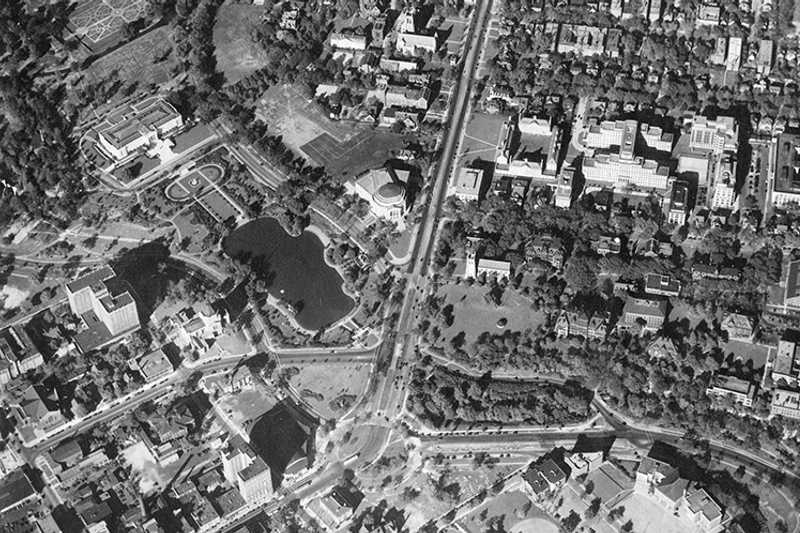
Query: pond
x=295, y=269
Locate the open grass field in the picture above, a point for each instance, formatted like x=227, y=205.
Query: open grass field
x=331, y=388
x=517, y=512
x=191, y=228
x=482, y=137
x=474, y=315
x=237, y=54
x=368, y=149
x=101, y=23
x=297, y=118
x=139, y=61
x=747, y=351
x=343, y=148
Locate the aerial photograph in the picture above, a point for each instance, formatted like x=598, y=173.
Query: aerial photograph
x=399, y=266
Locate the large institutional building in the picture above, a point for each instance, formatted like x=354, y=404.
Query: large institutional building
x=106, y=316
x=246, y=470
x=385, y=191
x=137, y=126
x=614, y=163
x=529, y=150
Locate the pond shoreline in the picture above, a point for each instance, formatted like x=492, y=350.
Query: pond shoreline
x=299, y=268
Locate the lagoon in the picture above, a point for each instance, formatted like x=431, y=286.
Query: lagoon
x=295, y=269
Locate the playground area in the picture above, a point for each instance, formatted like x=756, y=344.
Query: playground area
x=194, y=183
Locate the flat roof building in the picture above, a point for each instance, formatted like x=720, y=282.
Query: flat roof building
x=106, y=317
x=738, y=390
x=468, y=184
x=785, y=403
x=137, y=126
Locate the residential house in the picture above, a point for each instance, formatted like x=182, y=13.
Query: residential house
x=700, y=271
x=662, y=348
x=729, y=387
x=546, y=248
x=18, y=349
x=154, y=365
x=607, y=244
x=36, y=414
x=570, y=324
x=738, y=326
x=543, y=478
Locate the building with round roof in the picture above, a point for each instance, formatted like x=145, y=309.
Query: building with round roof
x=385, y=191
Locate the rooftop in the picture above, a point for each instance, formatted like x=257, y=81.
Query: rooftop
x=732, y=384
x=257, y=467
x=645, y=306
x=93, y=279
x=14, y=488
x=699, y=501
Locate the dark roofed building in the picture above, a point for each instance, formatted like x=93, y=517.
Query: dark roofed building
x=661, y=285
x=543, y=478
x=15, y=491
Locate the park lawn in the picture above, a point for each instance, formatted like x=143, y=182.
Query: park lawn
x=236, y=53
x=747, y=351
x=190, y=227
x=514, y=506
x=473, y=315
x=323, y=384
x=482, y=136
x=297, y=118
x=681, y=310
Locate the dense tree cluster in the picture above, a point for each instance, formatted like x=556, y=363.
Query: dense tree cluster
x=39, y=172
x=673, y=51
x=441, y=397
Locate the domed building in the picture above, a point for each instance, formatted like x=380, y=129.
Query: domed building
x=385, y=190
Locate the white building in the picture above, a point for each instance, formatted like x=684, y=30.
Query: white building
x=106, y=316
x=468, y=184
x=348, y=41
x=738, y=390
x=414, y=44
x=135, y=127
x=246, y=470
x=385, y=191
x=718, y=135
x=530, y=150
x=785, y=403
